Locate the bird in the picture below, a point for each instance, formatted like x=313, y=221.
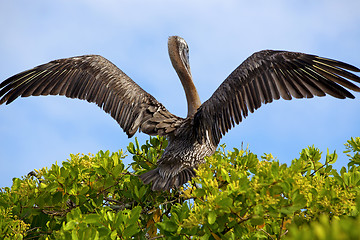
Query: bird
x=263, y=77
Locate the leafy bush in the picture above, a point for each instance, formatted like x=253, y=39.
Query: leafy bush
x=236, y=195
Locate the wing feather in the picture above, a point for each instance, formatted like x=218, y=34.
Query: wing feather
x=95, y=79
x=266, y=76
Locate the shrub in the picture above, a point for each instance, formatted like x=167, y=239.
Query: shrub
x=235, y=195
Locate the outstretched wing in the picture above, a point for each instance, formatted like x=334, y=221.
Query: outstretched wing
x=95, y=79
x=269, y=75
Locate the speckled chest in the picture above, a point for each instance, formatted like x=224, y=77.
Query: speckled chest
x=186, y=151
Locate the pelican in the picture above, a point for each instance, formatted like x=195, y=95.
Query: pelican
x=263, y=77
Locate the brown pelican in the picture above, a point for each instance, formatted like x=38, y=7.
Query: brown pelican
x=263, y=77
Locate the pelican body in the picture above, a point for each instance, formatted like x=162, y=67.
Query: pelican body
x=263, y=77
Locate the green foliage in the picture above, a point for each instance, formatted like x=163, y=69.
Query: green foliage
x=236, y=195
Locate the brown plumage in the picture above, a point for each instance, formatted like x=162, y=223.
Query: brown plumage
x=263, y=77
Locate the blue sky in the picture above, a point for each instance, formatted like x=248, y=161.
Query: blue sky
x=38, y=131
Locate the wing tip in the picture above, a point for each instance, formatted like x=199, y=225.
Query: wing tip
x=339, y=64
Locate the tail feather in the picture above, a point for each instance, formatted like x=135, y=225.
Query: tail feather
x=163, y=183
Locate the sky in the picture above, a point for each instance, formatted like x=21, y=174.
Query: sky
x=36, y=132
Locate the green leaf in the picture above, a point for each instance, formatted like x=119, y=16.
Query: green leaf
x=74, y=235
x=168, y=226
x=226, y=202
x=211, y=217
x=118, y=169
x=131, y=230
x=70, y=225
x=257, y=220
x=92, y=218
x=131, y=148
x=135, y=213
x=113, y=235
x=137, y=144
